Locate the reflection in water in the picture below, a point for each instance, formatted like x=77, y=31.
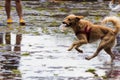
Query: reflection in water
x=11, y=58
x=8, y=41
x=1, y=38
x=10, y=61
x=18, y=42
x=114, y=71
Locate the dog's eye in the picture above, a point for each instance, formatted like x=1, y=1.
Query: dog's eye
x=69, y=19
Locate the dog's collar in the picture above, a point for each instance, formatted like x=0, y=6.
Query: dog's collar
x=85, y=31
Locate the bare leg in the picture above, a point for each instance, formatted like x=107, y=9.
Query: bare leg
x=19, y=11
x=113, y=1
x=119, y=2
x=117, y=8
x=19, y=8
x=8, y=10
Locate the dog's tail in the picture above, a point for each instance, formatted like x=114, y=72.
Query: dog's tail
x=115, y=20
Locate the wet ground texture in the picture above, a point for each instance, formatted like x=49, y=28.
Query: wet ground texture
x=38, y=50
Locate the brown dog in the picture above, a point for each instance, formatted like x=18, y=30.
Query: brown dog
x=88, y=32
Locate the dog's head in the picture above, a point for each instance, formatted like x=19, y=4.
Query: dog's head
x=70, y=21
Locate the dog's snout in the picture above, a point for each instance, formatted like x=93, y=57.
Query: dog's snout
x=63, y=22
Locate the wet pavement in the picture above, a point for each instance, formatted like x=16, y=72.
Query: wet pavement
x=38, y=50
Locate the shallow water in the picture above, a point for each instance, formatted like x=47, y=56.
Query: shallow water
x=38, y=51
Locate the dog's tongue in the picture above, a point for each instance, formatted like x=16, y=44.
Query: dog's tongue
x=62, y=27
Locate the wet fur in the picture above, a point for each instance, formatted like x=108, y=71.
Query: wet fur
x=98, y=32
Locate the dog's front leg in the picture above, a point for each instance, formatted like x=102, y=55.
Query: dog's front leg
x=77, y=48
x=73, y=45
x=77, y=44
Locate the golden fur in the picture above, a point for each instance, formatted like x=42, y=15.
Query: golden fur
x=96, y=32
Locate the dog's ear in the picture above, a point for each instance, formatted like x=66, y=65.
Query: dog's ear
x=78, y=18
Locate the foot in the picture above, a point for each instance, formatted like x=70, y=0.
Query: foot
x=69, y=49
x=111, y=5
x=117, y=8
x=87, y=58
x=80, y=51
x=22, y=22
x=9, y=21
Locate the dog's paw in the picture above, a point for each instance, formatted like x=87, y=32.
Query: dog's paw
x=69, y=49
x=87, y=58
x=80, y=51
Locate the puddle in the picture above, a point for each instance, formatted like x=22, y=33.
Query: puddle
x=38, y=51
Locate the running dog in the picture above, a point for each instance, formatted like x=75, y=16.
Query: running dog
x=87, y=32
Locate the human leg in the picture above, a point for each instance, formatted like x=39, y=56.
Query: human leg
x=119, y=1
x=112, y=4
x=8, y=10
x=19, y=11
x=113, y=1
x=117, y=7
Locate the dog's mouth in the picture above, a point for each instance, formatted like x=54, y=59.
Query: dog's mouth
x=67, y=24
x=62, y=27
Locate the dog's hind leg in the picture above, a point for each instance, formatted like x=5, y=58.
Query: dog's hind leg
x=96, y=53
x=103, y=44
x=108, y=50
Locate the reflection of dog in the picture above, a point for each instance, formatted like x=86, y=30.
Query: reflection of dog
x=88, y=32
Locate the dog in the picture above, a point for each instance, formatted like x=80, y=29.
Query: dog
x=88, y=32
